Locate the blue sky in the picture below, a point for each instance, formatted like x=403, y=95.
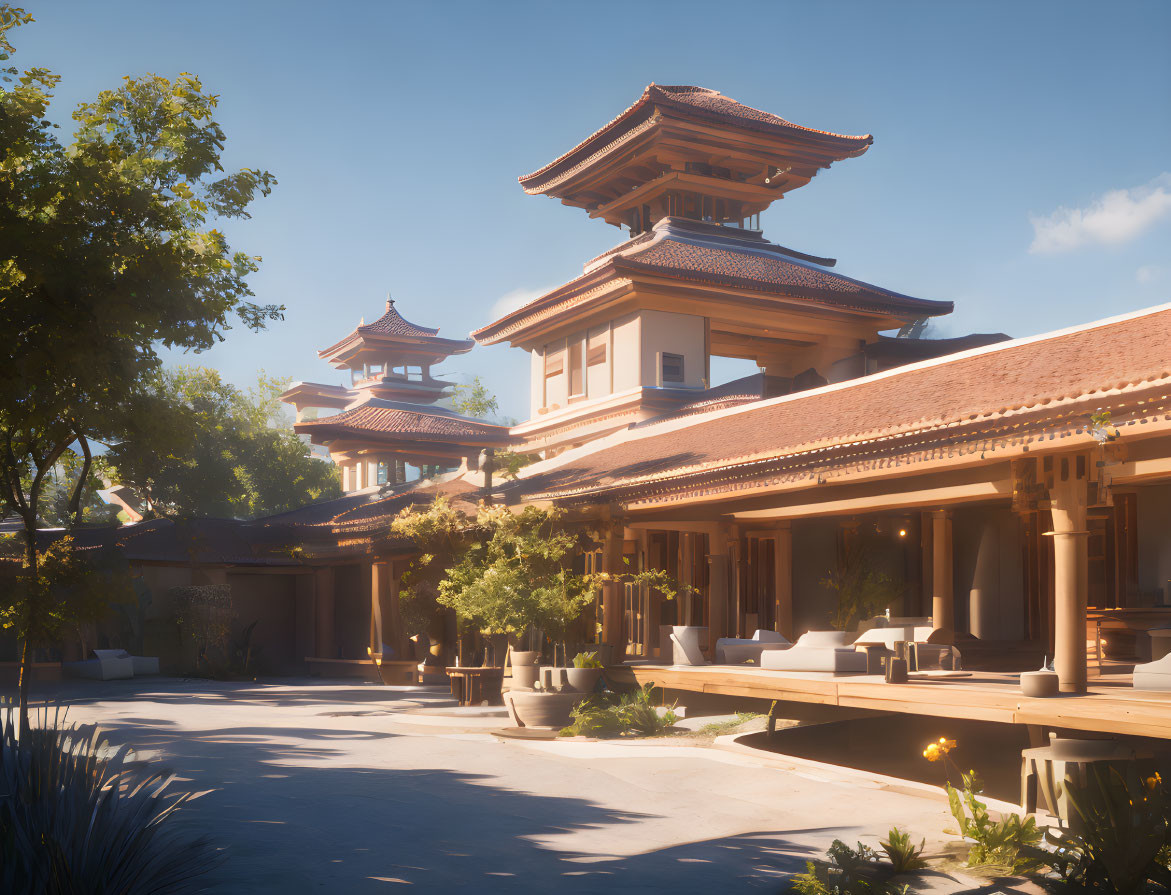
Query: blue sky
x=1020, y=164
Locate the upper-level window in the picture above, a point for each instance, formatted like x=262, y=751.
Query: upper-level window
x=576, y=367
x=596, y=349
x=672, y=367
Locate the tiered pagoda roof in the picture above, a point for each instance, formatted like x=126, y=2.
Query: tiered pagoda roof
x=392, y=332
x=689, y=138
x=378, y=420
x=704, y=254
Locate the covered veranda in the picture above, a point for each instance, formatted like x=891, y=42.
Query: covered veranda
x=1023, y=492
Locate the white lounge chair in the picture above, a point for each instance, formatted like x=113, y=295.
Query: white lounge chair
x=738, y=650
x=107, y=665
x=827, y=651
x=1153, y=675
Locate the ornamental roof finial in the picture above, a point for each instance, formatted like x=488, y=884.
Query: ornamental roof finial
x=389, y=301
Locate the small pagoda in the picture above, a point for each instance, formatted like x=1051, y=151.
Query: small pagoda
x=386, y=418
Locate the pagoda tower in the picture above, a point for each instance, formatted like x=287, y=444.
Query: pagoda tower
x=386, y=417
x=686, y=172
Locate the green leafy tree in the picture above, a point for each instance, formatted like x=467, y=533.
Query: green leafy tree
x=474, y=400
x=108, y=249
x=507, y=571
x=200, y=446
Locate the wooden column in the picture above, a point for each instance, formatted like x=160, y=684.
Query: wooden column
x=325, y=642
x=718, y=571
x=379, y=595
x=783, y=578
x=942, y=584
x=612, y=633
x=1070, y=572
x=984, y=595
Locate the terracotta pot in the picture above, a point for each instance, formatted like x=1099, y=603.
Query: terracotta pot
x=525, y=657
x=582, y=680
x=536, y=709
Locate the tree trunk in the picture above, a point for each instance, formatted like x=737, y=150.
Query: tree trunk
x=30, y=535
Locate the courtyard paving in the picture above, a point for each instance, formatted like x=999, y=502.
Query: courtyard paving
x=349, y=787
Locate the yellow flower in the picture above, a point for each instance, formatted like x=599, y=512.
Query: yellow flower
x=1153, y=782
x=932, y=752
x=946, y=744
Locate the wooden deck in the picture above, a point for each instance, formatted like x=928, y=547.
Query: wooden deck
x=1111, y=706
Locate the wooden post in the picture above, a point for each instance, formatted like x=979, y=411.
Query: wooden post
x=612, y=633
x=942, y=589
x=325, y=643
x=655, y=560
x=1070, y=573
x=379, y=594
x=783, y=578
x=718, y=569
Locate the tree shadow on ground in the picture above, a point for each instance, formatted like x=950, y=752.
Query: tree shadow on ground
x=274, y=692
x=293, y=820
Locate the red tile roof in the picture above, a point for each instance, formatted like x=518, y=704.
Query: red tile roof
x=1071, y=373
x=408, y=421
x=700, y=252
x=774, y=273
x=391, y=325
x=696, y=103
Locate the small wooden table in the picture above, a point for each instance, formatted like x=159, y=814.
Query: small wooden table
x=475, y=685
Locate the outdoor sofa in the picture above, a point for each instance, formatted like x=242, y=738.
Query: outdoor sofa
x=112, y=665
x=826, y=651
x=738, y=650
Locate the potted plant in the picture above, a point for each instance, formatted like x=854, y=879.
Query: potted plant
x=584, y=675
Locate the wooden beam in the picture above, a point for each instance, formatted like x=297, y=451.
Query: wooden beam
x=977, y=491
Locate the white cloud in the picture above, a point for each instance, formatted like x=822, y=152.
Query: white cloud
x=1116, y=217
x=1148, y=273
x=516, y=299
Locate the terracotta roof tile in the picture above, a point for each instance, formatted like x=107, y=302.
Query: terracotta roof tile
x=392, y=323
x=688, y=101
x=728, y=265
x=406, y=421
x=981, y=385
x=702, y=252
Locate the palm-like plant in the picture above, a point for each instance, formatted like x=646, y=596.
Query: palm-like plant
x=77, y=817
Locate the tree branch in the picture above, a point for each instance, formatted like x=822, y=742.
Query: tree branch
x=79, y=488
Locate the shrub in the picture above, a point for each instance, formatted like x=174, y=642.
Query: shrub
x=847, y=871
x=1008, y=843
x=76, y=816
x=1119, y=840
x=631, y=714
x=901, y=852
x=587, y=660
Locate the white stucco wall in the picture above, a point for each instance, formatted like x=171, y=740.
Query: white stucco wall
x=626, y=357
x=666, y=332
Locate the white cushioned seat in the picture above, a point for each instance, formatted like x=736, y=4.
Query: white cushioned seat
x=1153, y=675
x=828, y=651
x=738, y=650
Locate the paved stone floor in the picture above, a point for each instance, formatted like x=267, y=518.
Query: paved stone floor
x=349, y=787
